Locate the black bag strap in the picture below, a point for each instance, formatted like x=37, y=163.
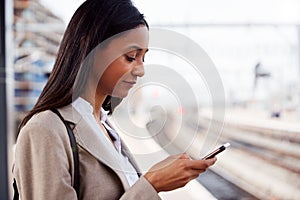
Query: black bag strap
x=16, y=192
x=74, y=150
x=75, y=158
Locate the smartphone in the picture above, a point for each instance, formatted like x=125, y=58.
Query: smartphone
x=216, y=152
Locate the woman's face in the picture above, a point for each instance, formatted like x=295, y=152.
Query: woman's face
x=121, y=63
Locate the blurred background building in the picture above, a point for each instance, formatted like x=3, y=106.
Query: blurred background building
x=37, y=34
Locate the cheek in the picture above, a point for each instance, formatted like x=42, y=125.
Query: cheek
x=112, y=75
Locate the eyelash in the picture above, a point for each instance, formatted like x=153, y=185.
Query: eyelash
x=130, y=59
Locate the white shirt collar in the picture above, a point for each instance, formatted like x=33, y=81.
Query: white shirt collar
x=104, y=115
x=84, y=107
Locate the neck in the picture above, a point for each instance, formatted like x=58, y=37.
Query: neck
x=96, y=101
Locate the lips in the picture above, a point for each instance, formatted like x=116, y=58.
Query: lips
x=130, y=83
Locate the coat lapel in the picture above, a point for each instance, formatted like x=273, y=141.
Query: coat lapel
x=99, y=147
x=131, y=159
x=126, y=152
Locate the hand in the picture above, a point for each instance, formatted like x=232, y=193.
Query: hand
x=176, y=171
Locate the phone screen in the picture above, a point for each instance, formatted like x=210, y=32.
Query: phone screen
x=216, y=152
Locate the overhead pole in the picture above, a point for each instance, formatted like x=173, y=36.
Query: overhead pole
x=7, y=136
x=3, y=107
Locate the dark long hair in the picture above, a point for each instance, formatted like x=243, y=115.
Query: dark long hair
x=92, y=23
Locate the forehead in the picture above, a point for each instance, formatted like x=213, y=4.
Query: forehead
x=123, y=42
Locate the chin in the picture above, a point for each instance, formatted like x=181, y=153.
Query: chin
x=122, y=94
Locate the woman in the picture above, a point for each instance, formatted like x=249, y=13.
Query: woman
x=101, y=55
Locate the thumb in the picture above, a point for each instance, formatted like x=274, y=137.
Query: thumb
x=184, y=156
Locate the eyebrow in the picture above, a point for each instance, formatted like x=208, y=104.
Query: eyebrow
x=134, y=47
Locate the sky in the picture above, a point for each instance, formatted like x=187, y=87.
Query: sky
x=206, y=11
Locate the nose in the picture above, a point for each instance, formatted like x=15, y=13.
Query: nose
x=138, y=70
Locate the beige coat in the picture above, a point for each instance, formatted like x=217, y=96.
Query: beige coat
x=44, y=163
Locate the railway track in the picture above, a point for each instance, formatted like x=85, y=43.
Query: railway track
x=276, y=158
x=223, y=189
x=279, y=149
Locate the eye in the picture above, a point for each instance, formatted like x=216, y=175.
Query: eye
x=130, y=59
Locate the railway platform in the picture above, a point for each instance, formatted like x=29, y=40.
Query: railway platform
x=265, y=153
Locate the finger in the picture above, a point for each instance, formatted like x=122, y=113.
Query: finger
x=176, y=156
x=196, y=172
x=212, y=160
x=201, y=164
x=184, y=156
x=180, y=156
x=194, y=176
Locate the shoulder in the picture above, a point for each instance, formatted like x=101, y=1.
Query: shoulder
x=45, y=125
x=44, y=120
